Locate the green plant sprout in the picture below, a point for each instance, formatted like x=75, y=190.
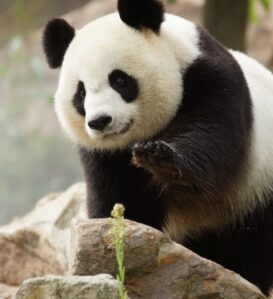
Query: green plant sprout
x=117, y=232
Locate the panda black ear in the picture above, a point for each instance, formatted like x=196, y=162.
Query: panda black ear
x=142, y=14
x=56, y=38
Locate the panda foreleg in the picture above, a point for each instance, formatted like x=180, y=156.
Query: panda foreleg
x=185, y=162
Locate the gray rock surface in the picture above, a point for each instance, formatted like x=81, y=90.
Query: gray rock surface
x=76, y=287
x=155, y=266
x=35, y=245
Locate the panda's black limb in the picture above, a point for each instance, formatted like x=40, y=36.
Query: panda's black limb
x=112, y=178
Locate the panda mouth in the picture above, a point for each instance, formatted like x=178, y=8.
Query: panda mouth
x=124, y=130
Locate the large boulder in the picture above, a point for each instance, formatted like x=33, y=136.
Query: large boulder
x=36, y=244
x=155, y=266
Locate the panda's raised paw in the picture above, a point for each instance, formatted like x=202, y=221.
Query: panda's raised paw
x=154, y=150
x=158, y=157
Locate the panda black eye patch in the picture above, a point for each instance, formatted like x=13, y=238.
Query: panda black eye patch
x=78, y=99
x=124, y=84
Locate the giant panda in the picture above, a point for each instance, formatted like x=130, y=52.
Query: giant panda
x=175, y=127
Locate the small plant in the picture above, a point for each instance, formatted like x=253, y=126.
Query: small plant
x=117, y=232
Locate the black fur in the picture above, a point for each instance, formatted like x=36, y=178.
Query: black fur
x=141, y=14
x=56, y=38
x=111, y=178
x=78, y=99
x=124, y=84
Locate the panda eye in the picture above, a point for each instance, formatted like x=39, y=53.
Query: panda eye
x=119, y=81
x=81, y=91
x=124, y=84
x=78, y=99
x=82, y=94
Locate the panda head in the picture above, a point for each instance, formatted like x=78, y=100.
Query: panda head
x=120, y=81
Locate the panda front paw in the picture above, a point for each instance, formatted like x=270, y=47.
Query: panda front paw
x=153, y=151
x=158, y=157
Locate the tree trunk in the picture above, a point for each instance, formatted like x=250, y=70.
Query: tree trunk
x=227, y=21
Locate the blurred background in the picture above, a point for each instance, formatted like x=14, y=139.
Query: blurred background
x=35, y=157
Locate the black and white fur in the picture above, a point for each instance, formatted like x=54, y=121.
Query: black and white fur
x=175, y=127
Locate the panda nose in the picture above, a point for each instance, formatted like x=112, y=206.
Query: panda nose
x=100, y=123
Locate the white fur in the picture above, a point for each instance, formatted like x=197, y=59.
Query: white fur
x=157, y=62
x=182, y=37
x=260, y=83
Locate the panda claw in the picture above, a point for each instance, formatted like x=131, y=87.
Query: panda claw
x=157, y=157
x=153, y=152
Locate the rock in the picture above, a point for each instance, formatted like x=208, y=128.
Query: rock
x=92, y=250
x=155, y=266
x=7, y=292
x=25, y=253
x=81, y=287
x=35, y=245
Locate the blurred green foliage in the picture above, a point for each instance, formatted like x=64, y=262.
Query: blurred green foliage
x=252, y=13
